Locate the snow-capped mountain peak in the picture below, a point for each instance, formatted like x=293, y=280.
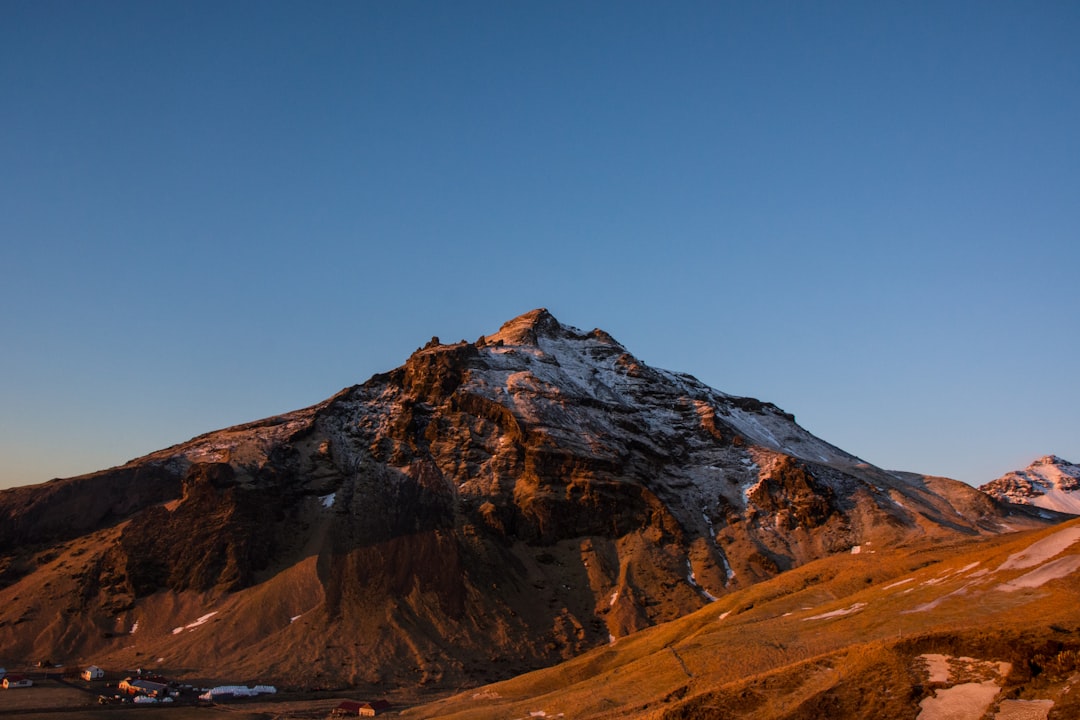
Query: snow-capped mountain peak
x=528, y=328
x=507, y=502
x=1050, y=482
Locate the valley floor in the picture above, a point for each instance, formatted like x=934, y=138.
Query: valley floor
x=53, y=699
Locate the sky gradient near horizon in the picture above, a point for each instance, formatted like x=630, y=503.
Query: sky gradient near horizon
x=866, y=213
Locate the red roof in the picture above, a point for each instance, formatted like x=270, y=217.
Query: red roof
x=350, y=706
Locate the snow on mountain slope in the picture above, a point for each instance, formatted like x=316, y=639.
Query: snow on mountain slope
x=492, y=505
x=1050, y=482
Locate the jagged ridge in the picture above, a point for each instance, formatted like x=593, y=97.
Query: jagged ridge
x=486, y=508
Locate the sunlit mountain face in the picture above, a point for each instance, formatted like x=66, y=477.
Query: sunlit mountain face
x=486, y=509
x=1050, y=482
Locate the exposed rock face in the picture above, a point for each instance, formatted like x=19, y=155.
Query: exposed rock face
x=1050, y=482
x=63, y=509
x=486, y=508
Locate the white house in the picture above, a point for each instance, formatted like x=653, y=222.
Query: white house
x=93, y=673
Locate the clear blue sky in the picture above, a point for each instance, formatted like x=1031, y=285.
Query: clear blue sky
x=865, y=212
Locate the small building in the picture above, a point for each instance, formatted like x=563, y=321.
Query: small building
x=143, y=687
x=93, y=673
x=17, y=681
x=351, y=708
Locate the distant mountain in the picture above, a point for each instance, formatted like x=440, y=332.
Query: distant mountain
x=484, y=509
x=1050, y=482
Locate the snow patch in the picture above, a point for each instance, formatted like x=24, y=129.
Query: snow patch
x=1042, y=550
x=857, y=607
x=191, y=626
x=856, y=549
x=134, y=627
x=934, y=603
x=939, y=579
x=898, y=583
x=968, y=701
x=925, y=607
x=692, y=579
x=938, y=667
x=727, y=567
x=328, y=500
x=1038, y=577
x=708, y=522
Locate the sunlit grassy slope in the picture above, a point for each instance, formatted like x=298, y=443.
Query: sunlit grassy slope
x=840, y=637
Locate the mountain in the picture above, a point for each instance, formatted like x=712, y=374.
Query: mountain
x=1049, y=482
x=980, y=628
x=485, y=509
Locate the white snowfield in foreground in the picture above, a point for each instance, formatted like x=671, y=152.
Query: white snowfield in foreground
x=938, y=667
x=971, y=700
x=1043, y=574
x=1042, y=550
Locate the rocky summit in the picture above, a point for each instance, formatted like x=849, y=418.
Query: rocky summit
x=1050, y=482
x=487, y=508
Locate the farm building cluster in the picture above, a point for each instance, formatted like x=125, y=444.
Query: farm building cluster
x=140, y=687
x=147, y=688
x=154, y=688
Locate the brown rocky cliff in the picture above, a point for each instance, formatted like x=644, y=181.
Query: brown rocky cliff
x=486, y=508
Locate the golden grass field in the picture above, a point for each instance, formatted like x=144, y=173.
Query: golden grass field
x=840, y=637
